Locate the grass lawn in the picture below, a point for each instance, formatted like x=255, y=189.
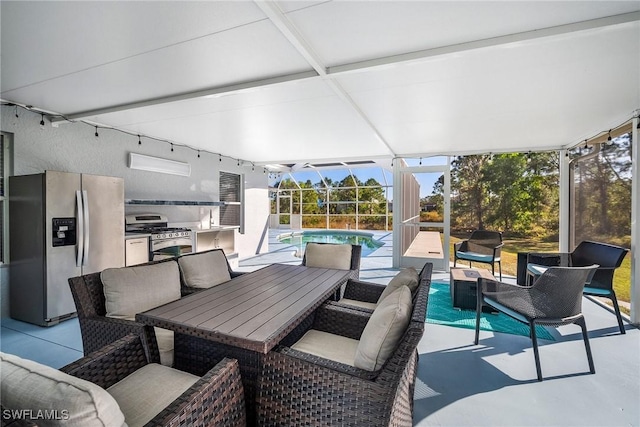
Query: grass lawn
x=621, y=278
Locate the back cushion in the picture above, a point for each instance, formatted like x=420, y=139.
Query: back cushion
x=384, y=330
x=327, y=255
x=407, y=277
x=132, y=290
x=53, y=397
x=204, y=270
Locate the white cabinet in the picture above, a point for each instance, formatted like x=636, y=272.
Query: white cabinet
x=136, y=250
x=223, y=238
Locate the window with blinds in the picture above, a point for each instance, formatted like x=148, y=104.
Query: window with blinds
x=231, y=194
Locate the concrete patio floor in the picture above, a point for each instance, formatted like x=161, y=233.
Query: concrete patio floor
x=459, y=383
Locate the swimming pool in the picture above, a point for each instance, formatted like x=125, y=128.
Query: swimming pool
x=300, y=239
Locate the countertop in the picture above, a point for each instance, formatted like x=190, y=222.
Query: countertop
x=134, y=235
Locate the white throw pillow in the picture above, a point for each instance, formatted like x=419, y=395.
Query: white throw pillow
x=328, y=255
x=384, y=330
x=53, y=398
x=408, y=277
x=132, y=290
x=204, y=270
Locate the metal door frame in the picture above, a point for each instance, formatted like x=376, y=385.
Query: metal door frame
x=400, y=168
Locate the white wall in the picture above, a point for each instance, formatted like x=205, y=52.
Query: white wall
x=72, y=147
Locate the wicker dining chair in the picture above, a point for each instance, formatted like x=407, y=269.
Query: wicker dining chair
x=334, y=255
x=122, y=384
x=298, y=388
x=363, y=295
x=554, y=299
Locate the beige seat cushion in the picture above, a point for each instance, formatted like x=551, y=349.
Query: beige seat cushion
x=361, y=304
x=384, y=330
x=328, y=255
x=29, y=386
x=328, y=346
x=147, y=391
x=408, y=277
x=132, y=290
x=204, y=270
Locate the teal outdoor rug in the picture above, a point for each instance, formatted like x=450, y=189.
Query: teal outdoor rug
x=440, y=311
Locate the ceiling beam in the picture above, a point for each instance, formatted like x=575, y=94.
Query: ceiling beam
x=291, y=33
x=480, y=44
x=221, y=90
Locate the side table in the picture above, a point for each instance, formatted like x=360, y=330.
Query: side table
x=463, y=285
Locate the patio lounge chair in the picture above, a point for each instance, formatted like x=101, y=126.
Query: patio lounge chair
x=482, y=246
x=608, y=257
x=554, y=299
x=118, y=384
x=299, y=388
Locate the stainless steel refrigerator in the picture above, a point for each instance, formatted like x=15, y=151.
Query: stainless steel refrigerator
x=62, y=225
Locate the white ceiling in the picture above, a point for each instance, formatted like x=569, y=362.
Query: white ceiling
x=315, y=81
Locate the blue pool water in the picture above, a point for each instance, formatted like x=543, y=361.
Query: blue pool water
x=366, y=240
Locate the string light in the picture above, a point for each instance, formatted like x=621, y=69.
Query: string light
x=220, y=157
x=198, y=153
x=238, y=163
x=96, y=134
x=171, y=146
x=139, y=140
x=42, y=119
x=17, y=112
x=609, y=138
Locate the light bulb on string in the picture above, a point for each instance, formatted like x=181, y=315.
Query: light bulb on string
x=139, y=140
x=42, y=120
x=220, y=157
x=198, y=153
x=171, y=147
x=96, y=134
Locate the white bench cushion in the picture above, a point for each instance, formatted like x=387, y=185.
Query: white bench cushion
x=204, y=270
x=132, y=290
x=146, y=392
x=384, y=330
x=28, y=385
x=329, y=346
x=328, y=255
x=408, y=277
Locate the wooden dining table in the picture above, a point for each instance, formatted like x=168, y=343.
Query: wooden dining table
x=243, y=318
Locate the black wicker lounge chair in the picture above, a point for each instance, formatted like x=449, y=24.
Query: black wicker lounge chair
x=608, y=257
x=554, y=299
x=482, y=246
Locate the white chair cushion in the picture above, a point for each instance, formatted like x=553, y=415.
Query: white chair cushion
x=328, y=346
x=29, y=386
x=132, y=290
x=408, y=277
x=146, y=392
x=328, y=255
x=384, y=330
x=204, y=270
x=361, y=304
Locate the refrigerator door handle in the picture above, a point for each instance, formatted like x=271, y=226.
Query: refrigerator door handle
x=80, y=229
x=85, y=207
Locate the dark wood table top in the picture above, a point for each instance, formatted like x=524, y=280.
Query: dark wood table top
x=254, y=311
